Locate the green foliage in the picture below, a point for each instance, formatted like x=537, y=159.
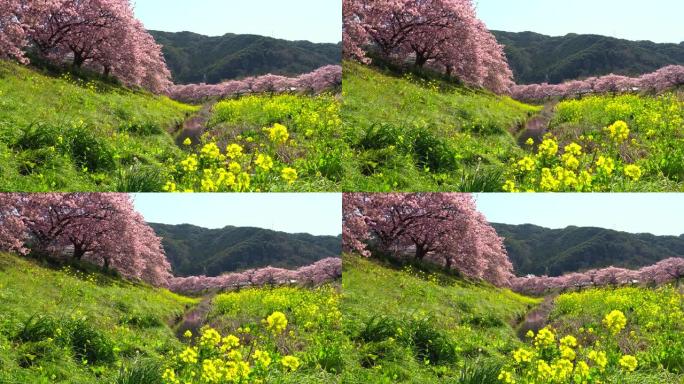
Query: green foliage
x=194, y=58
x=422, y=133
x=537, y=58
x=543, y=251
x=424, y=327
x=79, y=327
x=194, y=250
x=313, y=331
x=267, y=143
x=66, y=134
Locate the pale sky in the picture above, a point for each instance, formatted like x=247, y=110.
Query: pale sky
x=661, y=21
x=314, y=213
x=656, y=213
x=319, y=21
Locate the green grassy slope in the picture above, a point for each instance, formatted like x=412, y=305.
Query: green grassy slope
x=404, y=323
x=412, y=134
x=64, y=134
x=71, y=327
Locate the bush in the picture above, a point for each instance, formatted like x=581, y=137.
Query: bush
x=433, y=152
x=89, y=344
x=141, y=372
x=431, y=343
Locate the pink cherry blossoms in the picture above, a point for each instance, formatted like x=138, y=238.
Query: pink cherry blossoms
x=102, y=35
x=322, y=79
x=102, y=228
x=322, y=271
x=663, y=272
x=441, y=228
x=656, y=82
x=441, y=34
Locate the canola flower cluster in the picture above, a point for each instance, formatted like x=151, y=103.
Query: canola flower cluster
x=551, y=359
x=594, y=163
x=259, y=143
x=248, y=357
x=234, y=169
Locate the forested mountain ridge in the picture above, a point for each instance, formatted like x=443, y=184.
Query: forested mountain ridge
x=537, y=58
x=195, y=58
x=193, y=250
x=539, y=251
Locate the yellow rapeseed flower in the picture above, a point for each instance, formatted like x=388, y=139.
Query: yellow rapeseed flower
x=615, y=321
x=548, y=147
x=628, y=362
x=234, y=151
x=290, y=362
x=289, y=174
x=618, y=131
x=278, y=133
x=276, y=322
x=264, y=162
x=633, y=172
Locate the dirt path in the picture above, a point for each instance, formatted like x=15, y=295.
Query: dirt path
x=537, y=318
x=537, y=126
x=194, y=319
x=195, y=126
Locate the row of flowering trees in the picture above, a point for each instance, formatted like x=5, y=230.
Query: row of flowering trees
x=442, y=228
x=663, y=272
x=658, y=81
x=445, y=35
x=102, y=228
x=325, y=270
x=322, y=79
x=101, y=35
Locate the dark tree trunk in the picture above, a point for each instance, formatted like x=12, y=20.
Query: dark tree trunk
x=420, y=252
x=420, y=60
x=78, y=252
x=78, y=60
x=106, y=264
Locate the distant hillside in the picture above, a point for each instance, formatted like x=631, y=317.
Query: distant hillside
x=194, y=250
x=537, y=250
x=195, y=58
x=537, y=58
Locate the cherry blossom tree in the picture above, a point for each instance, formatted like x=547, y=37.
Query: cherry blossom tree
x=12, y=228
x=441, y=34
x=102, y=35
x=320, y=272
x=443, y=228
x=323, y=79
x=663, y=272
x=102, y=228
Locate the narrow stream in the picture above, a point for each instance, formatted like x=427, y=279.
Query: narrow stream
x=537, y=126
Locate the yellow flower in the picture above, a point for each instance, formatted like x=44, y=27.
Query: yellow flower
x=628, y=362
x=187, y=141
x=605, y=164
x=230, y=341
x=544, y=338
x=530, y=141
x=290, y=362
x=278, y=133
x=633, y=171
x=569, y=341
x=548, y=147
x=599, y=358
x=506, y=377
x=190, y=163
x=509, y=186
x=210, y=337
x=234, y=167
x=567, y=353
x=573, y=149
x=264, y=162
x=582, y=369
x=548, y=182
x=522, y=355
x=262, y=358
x=276, y=322
x=619, y=131
x=525, y=164
x=170, y=186
x=570, y=160
x=234, y=151
x=187, y=334
x=210, y=151
x=289, y=174
x=615, y=321
x=189, y=355
x=243, y=181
